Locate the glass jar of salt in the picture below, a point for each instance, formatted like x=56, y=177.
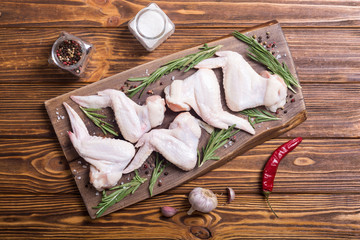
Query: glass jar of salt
x=151, y=26
x=70, y=53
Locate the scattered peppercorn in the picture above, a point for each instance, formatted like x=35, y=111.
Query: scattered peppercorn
x=166, y=173
x=159, y=184
x=285, y=111
x=146, y=172
x=146, y=166
x=69, y=52
x=291, y=96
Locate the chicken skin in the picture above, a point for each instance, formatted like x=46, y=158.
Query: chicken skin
x=108, y=157
x=244, y=88
x=133, y=120
x=178, y=144
x=201, y=91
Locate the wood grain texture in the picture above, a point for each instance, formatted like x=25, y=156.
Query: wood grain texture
x=303, y=216
x=328, y=116
x=317, y=60
x=33, y=166
x=114, y=13
x=316, y=189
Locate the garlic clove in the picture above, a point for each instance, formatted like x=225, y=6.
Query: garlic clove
x=231, y=194
x=202, y=200
x=167, y=211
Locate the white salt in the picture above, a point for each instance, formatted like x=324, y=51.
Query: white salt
x=151, y=26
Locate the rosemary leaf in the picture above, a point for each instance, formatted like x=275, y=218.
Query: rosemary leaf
x=97, y=115
x=258, y=116
x=110, y=130
x=218, y=138
x=186, y=63
x=91, y=109
x=260, y=54
x=121, y=192
x=251, y=122
x=96, y=119
x=159, y=168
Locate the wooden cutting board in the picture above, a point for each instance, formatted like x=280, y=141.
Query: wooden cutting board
x=292, y=115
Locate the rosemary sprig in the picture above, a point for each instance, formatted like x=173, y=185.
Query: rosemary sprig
x=260, y=54
x=159, y=168
x=258, y=116
x=187, y=62
x=218, y=138
x=122, y=191
x=96, y=119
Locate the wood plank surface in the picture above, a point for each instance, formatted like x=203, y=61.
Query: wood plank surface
x=38, y=166
x=329, y=115
x=113, y=13
x=302, y=216
x=316, y=59
x=316, y=188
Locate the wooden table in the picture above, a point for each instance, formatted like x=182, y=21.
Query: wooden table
x=317, y=187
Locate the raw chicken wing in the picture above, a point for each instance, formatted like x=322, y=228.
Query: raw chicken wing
x=133, y=120
x=178, y=144
x=244, y=88
x=201, y=91
x=108, y=157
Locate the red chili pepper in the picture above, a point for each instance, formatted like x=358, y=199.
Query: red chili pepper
x=272, y=166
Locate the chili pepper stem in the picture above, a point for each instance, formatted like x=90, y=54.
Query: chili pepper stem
x=267, y=194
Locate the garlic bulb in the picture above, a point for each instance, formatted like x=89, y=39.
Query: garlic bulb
x=202, y=200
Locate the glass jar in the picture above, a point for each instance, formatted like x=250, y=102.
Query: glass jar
x=71, y=54
x=151, y=26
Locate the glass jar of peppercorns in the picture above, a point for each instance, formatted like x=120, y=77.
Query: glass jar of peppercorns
x=71, y=53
